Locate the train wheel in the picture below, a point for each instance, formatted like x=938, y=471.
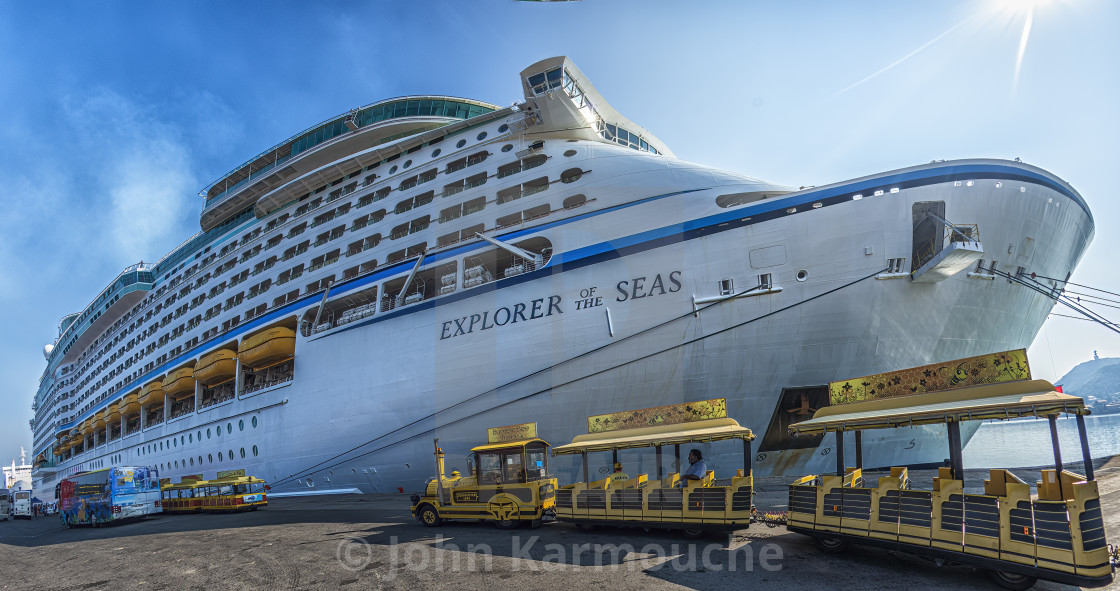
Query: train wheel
x=507, y=523
x=830, y=545
x=693, y=532
x=1012, y=581
x=429, y=517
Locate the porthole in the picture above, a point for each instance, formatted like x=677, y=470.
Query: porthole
x=192, y=461
x=241, y=425
x=393, y=169
x=200, y=435
x=176, y=464
x=460, y=143
x=407, y=163
x=208, y=433
x=174, y=443
x=504, y=128
x=183, y=439
x=218, y=431
x=190, y=438
x=243, y=453
x=219, y=456
x=161, y=446
x=230, y=455
x=199, y=460
x=210, y=458
x=507, y=147
x=802, y=275
x=254, y=422
x=571, y=175
x=229, y=428
x=435, y=152
x=254, y=451
x=569, y=153
x=481, y=136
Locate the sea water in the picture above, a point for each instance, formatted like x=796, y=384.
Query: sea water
x=1022, y=443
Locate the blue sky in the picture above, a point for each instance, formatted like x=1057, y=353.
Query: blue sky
x=115, y=114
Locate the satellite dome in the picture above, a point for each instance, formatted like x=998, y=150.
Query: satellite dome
x=47, y=351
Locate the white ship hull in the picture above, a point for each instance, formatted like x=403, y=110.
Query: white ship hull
x=627, y=313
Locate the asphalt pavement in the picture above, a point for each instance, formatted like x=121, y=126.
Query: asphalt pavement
x=371, y=542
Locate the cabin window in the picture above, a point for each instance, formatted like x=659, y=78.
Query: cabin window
x=575, y=201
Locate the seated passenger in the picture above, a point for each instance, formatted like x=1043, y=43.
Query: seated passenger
x=618, y=474
x=696, y=469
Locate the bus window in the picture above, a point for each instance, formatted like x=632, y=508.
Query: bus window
x=514, y=471
x=489, y=468
x=537, y=467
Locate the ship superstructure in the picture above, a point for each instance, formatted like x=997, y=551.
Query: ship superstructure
x=429, y=266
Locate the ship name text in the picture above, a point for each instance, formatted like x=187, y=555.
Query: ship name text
x=521, y=311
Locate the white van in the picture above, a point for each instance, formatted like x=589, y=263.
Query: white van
x=21, y=508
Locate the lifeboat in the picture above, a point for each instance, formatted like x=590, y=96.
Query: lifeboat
x=131, y=403
x=113, y=413
x=99, y=421
x=216, y=368
x=267, y=348
x=86, y=428
x=179, y=382
x=58, y=450
x=151, y=393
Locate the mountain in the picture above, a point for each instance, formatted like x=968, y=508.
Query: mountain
x=1099, y=378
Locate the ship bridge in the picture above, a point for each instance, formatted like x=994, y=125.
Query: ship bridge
x=560, y=99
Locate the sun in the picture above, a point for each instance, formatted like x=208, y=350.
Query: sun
x=1015, y=9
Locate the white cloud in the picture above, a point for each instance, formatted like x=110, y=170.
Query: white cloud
x=141, y=167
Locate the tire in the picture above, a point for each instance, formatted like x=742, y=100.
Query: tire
x=507, y=523
x=429, y=516
x=830, y=545
x=1012, y=581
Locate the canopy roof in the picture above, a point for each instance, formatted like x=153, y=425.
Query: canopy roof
x=232, y=480
x=1008, y=400
x=508, y=444
x=697, y=432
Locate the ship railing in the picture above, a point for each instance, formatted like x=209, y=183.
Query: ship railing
x=268, y=384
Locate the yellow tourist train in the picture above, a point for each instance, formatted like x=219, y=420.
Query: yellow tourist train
x=1057, y=535
x=509, y=483
x=231, y=491
x=673, y=501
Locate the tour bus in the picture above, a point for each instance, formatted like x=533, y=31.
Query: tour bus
x=108, y=495
x=21, y=505
x=5, y=505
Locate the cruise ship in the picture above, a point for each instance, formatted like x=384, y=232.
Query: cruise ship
x=429, y=267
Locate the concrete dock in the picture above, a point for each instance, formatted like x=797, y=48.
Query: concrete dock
x=371, y=542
